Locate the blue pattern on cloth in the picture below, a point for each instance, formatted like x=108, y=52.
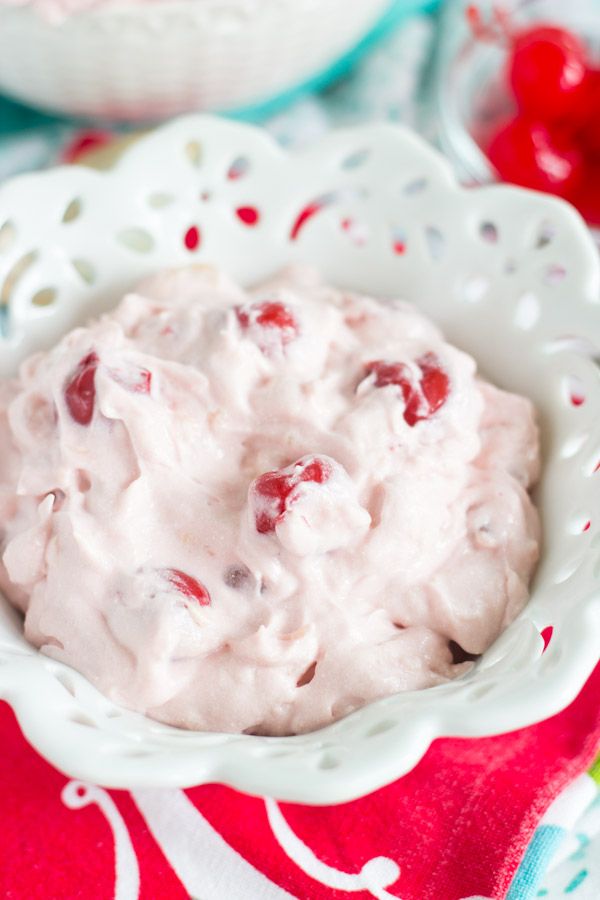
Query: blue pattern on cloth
x=543, y=846
x=576, y=874
x=563, y=857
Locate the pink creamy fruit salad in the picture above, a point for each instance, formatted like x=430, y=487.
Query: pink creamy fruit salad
x=259, y=510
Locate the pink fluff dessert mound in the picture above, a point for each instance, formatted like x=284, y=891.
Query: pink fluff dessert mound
x=257, y=511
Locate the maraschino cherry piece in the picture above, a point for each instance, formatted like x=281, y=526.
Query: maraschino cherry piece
x=272, y=494
x=423, y=392
x=186, y=585
x=270, y=323
x=80, y=391
x=435, y=383
x=270, y=314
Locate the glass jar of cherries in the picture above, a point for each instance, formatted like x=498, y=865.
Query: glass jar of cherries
x=521, y=102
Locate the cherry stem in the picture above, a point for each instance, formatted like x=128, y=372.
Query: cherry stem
x=497, y=29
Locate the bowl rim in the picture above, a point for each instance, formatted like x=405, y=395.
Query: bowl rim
x=240, y=761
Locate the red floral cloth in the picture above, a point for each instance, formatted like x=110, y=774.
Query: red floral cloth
x=455, y=827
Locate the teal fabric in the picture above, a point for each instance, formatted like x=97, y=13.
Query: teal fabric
x=526, y=882
x=15, y=118
x=577, y=875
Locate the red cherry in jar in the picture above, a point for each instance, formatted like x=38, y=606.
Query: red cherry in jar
x=587, y=198
x=547, y=72
x=588, y=127
x=553, y=78
x=531, y=155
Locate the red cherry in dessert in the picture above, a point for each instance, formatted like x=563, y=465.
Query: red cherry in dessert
x=390, y=373
x=435, y=383
x=273, y=493
x=187, y=586
x=423, y=393
x=269, y=314
x=271, y=322
x=547, y=71
x=530, y=154
x=80, y=391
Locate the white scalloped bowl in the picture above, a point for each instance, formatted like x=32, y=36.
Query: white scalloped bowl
x=511, y=276
x=152, y=61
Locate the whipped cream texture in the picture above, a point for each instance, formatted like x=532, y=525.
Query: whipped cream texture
x=259, y=510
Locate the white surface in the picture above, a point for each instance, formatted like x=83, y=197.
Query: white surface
x=479, y=291
x=150, y=62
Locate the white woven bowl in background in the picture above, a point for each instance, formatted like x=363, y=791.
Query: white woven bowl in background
x=510, y=275
x=152, y=61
